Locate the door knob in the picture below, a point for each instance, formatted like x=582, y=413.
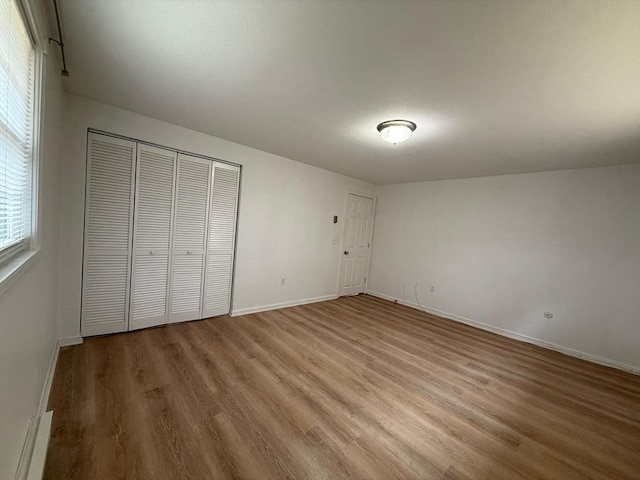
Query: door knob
x=346, y=252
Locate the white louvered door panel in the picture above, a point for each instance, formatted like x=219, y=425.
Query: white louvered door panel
x=188, y=247
x=221, y=240
x=107, y=236
x=153, y=220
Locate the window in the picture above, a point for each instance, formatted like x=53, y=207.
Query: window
x=17, y=99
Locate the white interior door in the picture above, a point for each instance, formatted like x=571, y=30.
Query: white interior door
x=108, y=231
x=221, y=240
x=356, y=245
x=191, y=215
x=153, y=218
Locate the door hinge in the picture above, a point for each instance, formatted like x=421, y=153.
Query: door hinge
x=365, y=279
x=368, y=245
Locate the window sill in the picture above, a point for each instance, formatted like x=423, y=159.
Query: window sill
x=14, y=268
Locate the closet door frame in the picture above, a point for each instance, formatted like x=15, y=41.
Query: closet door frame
x=101, y=329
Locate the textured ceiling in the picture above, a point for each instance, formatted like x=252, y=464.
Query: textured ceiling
x=496, y=87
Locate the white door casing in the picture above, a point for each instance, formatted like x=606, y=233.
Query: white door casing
x=153, y=220
x=191, y=214
x=106, y=264
x=356, y=244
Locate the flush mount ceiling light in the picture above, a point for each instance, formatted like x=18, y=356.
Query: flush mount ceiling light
x=396, y=131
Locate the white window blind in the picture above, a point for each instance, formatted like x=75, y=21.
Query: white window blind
x=17, y=58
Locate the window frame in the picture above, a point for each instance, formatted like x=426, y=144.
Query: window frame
x=15, y=261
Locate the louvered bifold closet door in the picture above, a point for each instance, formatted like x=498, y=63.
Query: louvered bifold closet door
x=108, y=231
x=190, y=226
x=221, y=241
x=153, y=218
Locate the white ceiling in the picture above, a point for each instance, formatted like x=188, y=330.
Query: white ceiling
x=496, y=87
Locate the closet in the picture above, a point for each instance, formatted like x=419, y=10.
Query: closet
x=159, y=236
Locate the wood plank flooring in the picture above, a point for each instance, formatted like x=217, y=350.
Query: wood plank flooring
x=352, y=388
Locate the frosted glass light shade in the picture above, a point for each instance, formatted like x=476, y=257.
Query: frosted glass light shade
x=396, y=131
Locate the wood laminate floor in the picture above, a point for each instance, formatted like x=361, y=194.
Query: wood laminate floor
x=352, y=388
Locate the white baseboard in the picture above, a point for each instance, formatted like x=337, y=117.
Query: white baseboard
x=31, y=457
x=65, y=342
x=274, y=306
x=516, y=336
x=27, y=449
x=39, y=456
x=48, y=381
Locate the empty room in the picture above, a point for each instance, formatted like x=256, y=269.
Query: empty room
x=319, y=239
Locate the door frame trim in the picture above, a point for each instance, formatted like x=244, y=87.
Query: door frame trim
x=359, y=193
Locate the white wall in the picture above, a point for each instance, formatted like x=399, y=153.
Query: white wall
x=286, y=211
x=28, y=307
x=503, y=250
